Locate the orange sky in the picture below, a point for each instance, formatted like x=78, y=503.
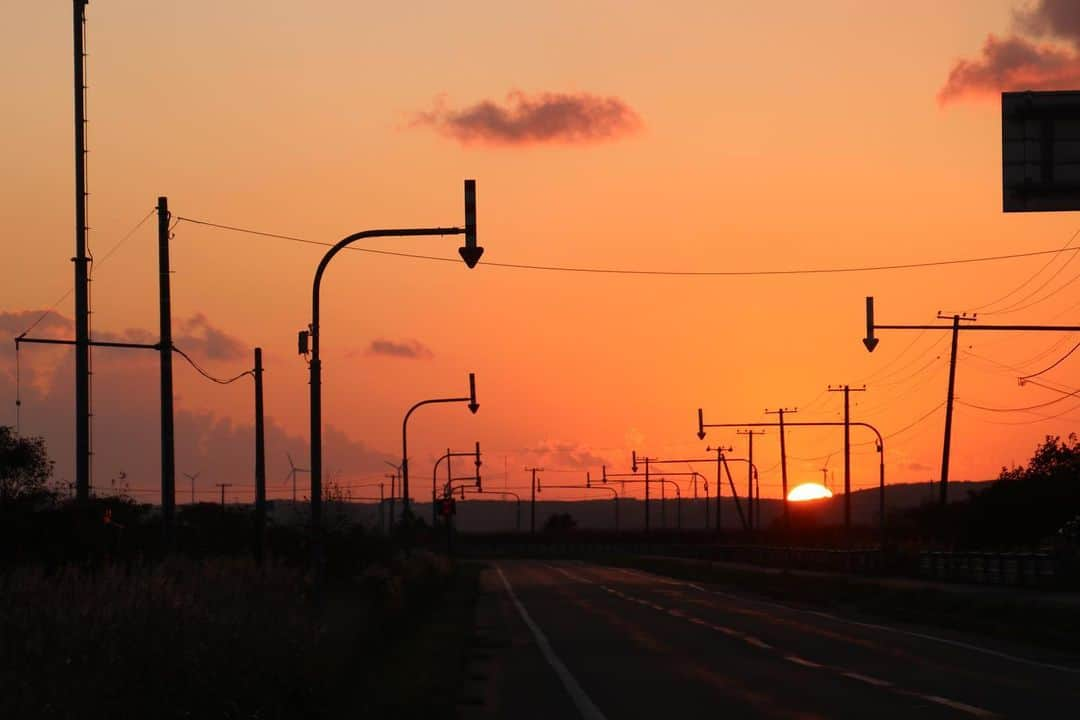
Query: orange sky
x=788, y=135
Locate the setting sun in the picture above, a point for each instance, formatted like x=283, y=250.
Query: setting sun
x=809, y=491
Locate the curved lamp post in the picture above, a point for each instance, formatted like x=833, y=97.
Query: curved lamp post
x=473, y=407
x=470, y=253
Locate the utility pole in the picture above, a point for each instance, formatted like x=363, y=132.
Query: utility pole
x=946, y=445
x=720, y=450
x=783, y=461
x=750, y=433
x=168, y=447
x=223, y=486
x=82, y=271
x=846, y=389
x=871, y=342
x=260, y=461
x=382, y=510
x=532, y=505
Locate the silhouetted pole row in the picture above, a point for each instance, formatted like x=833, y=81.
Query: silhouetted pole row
x=846, y=389
x=871, y=342
x=505, y=493
x=751, y=472
x=473, y=407
x=223, y=486
x=880, y=445
x=614, y=495
x=470, y=253
x=623, y=477
x=634, y=467
x=435, y=472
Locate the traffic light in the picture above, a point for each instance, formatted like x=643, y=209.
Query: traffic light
x=302, y=342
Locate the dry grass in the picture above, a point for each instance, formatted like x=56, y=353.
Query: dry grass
x=187, y=639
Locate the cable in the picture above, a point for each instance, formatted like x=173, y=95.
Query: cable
x=1051, y=367
x=1029, y=280
x=207, y=375
x=1018, y=305
x=1040, y=418
x=124, y=239
x=657, y=273
x=1018, y=409
x=68, y=293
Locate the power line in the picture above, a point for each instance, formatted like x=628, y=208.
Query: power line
x=207, y=375
x=1051, y=367
x=1019, y=304
x=654, y=273
x=1031, y=279
x=68, y=293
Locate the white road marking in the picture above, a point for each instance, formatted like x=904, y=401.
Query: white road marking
x=969, y=709
x=801, y=661
x=873, y=626
x=867, y=679
x=757, y=643
x=585, y=706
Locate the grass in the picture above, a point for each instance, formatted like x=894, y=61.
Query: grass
x=217, y=638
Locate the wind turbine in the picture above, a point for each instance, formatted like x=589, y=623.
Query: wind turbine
x=191, y=477
x=292, y=474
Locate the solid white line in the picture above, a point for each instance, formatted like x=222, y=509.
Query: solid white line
x=969, y=709
x=801, y=661
x=585, y=706
x=757, y=643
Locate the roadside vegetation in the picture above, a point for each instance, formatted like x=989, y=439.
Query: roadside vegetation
x=96, y=620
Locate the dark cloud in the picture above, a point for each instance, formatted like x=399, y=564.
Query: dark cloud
x=568, y=118
x=413, y=349
x=1018, y=62
x=1050, y=18
x=126, y=424
x=565, y=456
x=197, y=335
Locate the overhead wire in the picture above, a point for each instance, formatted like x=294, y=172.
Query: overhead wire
x=1030, y=279
x=207, y=375
x=1047, y=369
x=655, y=273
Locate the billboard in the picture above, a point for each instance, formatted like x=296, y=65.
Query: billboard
x=1040, y=151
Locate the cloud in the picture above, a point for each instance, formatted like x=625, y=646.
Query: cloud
x=127, y=421
x=197, y=335
x=1054, y=18
x=1018, y=62
x=566, y=118
x=15, y=323
x=565, y=456
x=413, y=349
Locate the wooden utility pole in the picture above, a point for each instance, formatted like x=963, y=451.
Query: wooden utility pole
x=223, y=486
x=168, y=447
x=532, y=503
x=846, y=389
x=260, y=461
x=783, y=461
x=750, y=433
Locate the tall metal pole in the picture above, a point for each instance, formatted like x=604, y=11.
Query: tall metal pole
x=532, y=504
x=82, y=271
x=168, y=448
x=260, y=461
x=750, y=469
x=719, y=484
x=948, y=413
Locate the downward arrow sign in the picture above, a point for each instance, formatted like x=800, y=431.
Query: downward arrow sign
x=470, y=252
x=870, y=341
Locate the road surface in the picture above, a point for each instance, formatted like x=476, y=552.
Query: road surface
x=574, y=640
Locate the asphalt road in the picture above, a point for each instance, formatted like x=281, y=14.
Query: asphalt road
x=576, y=640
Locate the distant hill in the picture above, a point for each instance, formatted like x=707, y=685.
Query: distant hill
x=495, y=515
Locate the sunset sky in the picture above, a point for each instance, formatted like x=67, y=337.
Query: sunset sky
x=682, y=136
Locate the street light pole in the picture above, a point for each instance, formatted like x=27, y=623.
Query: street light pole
x=470, y=253
x=473, y=407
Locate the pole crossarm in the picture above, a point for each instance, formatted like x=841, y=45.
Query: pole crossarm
x=93, y=343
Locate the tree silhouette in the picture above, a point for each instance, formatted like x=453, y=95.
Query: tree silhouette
x=25, y=467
